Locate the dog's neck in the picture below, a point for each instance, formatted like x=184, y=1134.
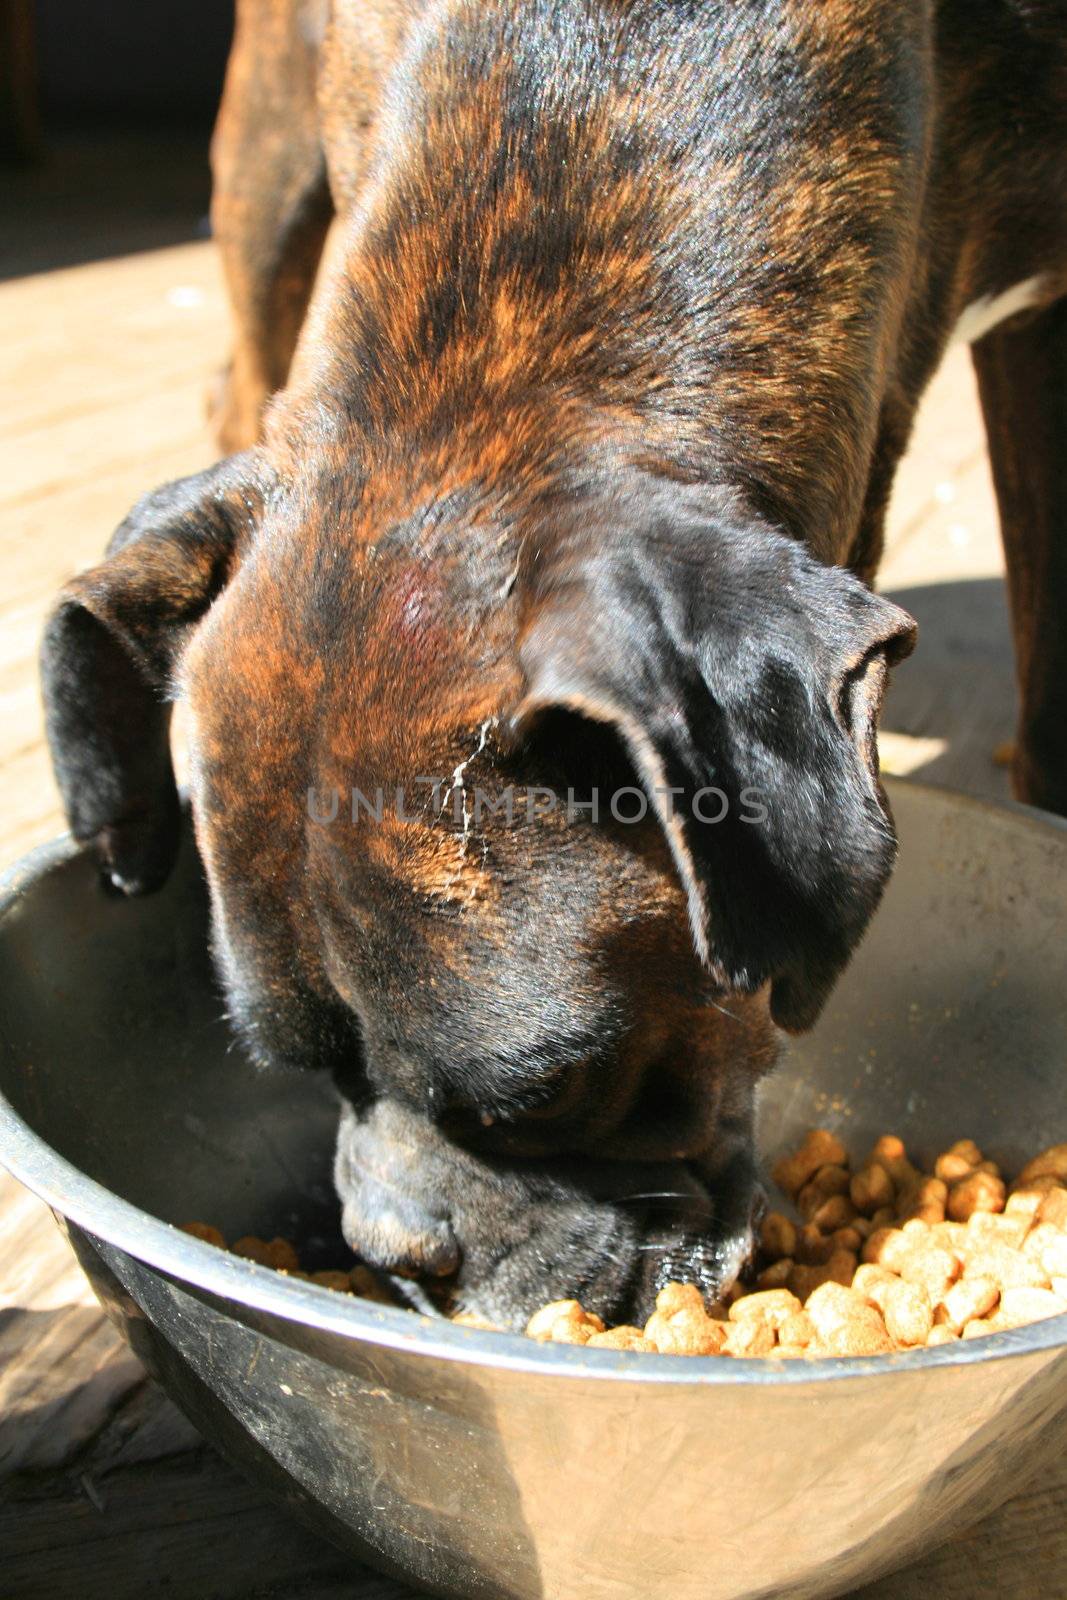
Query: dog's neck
x=747, y=252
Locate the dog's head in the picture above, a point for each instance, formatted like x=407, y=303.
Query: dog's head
x=531, y=827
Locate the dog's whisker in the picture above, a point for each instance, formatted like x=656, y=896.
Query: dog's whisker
x=659, y=1194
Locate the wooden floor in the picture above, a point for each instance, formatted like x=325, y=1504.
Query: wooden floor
x=104, y=1489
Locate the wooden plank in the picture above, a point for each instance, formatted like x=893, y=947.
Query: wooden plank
x=1018, y=1552
x=188, y=1528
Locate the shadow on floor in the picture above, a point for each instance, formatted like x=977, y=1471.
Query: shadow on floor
x=959, y=686
x=98, y=192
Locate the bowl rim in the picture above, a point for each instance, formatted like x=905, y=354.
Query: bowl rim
x=165, y=1248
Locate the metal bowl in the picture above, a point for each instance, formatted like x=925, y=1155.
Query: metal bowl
x=481, y=1464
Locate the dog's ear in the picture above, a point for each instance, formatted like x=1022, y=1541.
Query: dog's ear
x=745, y=677
x=106, y=660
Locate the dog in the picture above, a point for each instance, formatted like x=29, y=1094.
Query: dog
x=567, y=477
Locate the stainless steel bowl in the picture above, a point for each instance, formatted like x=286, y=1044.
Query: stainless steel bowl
x=479, y=1464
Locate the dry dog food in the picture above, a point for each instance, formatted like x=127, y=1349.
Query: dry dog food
x=282, y=1255
x=878, y=1258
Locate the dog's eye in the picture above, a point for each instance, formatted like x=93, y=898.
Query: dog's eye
x=507, y=1095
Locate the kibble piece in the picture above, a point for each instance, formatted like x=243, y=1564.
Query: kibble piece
x=923, y=1201
x=541, y=1323
x=831, y=1304
x=804, y=1280
x=980, y=1192
x=889, y=1152
x=564, y=1322
x=778, y=1235
x=928, y=1189
x=952, y=1236
x=369, y=1287
x=1042, y=1185
x=849, y=1239
x=858, y=1337
x=968, y=1300
x=621, y=1338
x=797, y=1330
x=1019, y=1306
x=952, y=1166
x=471, y=1319
x=888, y=1247
x=1009, y=1269
x=773, y=1306
x=869, y=1275
x=277, y=1253
x=282, y=1256
x=884, y=1217
x=827, y=1182
x=978, y=1329
x=1041, y=1237
x=908, y=1313
x=814, y=1249
x=777, y=1275
x=1051, y=1163
x=339, y=1282
x=1023, y=1202
x=252, y=1248
x=1053, y=1208
x=820, y=1149
x=875, y=1290
x=1059, y=1286
x=930, y=1268
x=872, y=1188
x=750, y=1338
x=888, y=1147
x=994, y=1225
x=679, y=1297
x=686, y=1333
x=204, y=1231
x=835, y=1213
x=841, y=1267
x=941, y=1334
x=964, y=1150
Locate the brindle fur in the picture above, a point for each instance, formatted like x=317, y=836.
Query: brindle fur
x=616, y=345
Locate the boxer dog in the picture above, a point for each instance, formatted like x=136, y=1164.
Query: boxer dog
x=573, y=485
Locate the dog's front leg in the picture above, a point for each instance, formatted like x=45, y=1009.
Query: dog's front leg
x=271, y=205
x=1022, y=378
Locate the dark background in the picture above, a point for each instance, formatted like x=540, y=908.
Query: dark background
x=132, y=61
x=106, y=109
